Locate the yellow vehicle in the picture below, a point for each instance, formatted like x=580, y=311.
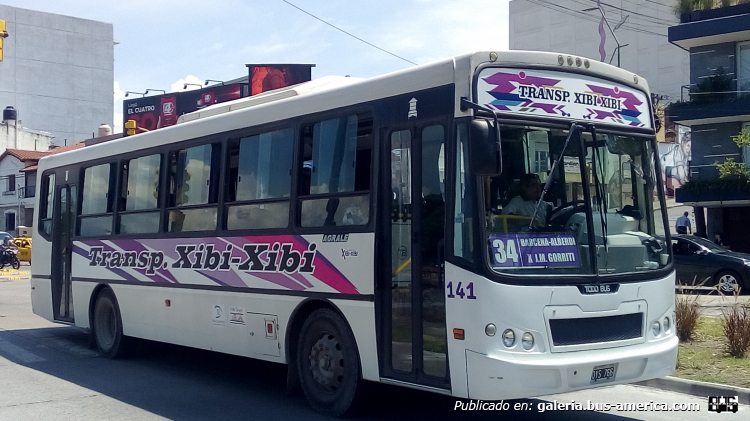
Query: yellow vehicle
x=24, y=248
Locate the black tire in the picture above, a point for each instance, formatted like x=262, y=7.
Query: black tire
x=16, y=263
x=728, y=281
x=328, y=364
x=107, y=327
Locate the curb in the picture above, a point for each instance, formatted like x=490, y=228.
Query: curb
x=696, y=388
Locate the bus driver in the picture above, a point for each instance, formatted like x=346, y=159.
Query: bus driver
x=525, y=203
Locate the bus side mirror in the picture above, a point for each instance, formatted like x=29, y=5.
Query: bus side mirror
x=484, y=148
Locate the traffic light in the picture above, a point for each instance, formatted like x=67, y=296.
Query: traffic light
x=3, y=35
x=130, y=126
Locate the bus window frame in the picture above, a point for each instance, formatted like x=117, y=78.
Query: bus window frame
x=167, y=207
x=451, y=182
x=113, y=178
x=256, y=131
x=160, y=193
x=224, y=138
x=297, y=198
x=44, y=194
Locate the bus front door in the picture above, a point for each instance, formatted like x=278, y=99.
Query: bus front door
x=413, y=340
x=64, y=222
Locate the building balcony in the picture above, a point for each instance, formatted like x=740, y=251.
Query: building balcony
x=713, y=26
x=700, y=107
x=714, y=192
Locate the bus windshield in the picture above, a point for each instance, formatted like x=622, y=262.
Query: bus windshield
x=602, y=192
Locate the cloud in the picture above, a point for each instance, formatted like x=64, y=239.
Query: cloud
x=191, y=80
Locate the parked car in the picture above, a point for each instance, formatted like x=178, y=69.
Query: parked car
x=697, y=260
x=24, y=248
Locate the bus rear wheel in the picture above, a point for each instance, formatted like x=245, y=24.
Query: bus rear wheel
x=328, y=364
x=107, y=327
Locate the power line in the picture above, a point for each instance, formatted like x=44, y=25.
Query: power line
x=579, y=14
x=656, y=20
x=347, y=33
x=646, y=20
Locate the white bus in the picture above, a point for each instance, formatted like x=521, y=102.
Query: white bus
x=385, y=229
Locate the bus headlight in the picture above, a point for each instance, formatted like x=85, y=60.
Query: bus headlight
x=665, y=323
x=509, y=338
x=656, y=327
x=527, y=340
x=490, y=330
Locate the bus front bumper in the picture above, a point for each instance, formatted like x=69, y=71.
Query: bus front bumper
x=514, y=376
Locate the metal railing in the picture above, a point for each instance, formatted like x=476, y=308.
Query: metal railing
x=693, y=94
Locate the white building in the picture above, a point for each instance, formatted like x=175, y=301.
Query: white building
x=563, y=26
x=18, y=185
x=57, y=72
x=13, y=135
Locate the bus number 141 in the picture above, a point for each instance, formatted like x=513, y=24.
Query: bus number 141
x=460, y=291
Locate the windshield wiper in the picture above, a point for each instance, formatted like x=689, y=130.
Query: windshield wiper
x=573, y=128
x=601, y=192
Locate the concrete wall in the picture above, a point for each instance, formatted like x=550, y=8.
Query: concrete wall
x=57, y=72
x=23, y=138
x=649, y=54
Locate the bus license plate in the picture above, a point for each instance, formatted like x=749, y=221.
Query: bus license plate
x=603, y=373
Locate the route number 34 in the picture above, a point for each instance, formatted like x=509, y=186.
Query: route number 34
x=504, y=252
x=461, y=292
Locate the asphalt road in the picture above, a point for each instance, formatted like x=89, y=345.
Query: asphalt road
x=47, y=372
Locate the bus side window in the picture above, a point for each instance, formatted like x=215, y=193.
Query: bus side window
x=260, y=180
x=97, y=200
x=139, y=197
x=194, y=187
x=336, y=159
x=46, y=204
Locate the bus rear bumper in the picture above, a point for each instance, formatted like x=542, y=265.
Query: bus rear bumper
x=529, y=375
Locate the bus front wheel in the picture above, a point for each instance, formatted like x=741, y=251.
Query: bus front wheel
x=107, y=326
x=328, y=363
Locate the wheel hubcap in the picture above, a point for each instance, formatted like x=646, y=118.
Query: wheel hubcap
x=327, y=363
x=728, y=283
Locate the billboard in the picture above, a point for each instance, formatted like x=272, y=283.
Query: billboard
x=155, y=112
x=267, y=77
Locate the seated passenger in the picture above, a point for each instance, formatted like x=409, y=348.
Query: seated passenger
x=525, y=203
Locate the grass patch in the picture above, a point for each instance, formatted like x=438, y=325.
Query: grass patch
x=705, y=359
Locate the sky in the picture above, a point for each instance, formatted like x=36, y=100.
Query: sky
x=165, y=43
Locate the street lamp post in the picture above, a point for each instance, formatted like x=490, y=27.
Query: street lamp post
x=612, y=31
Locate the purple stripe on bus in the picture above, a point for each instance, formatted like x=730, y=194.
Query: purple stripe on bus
x=279, y=279
x=156, y=277
x=301, y=279
x=229, y=278
x=214, y=279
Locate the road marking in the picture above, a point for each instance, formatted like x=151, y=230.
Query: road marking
x=19, y=353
